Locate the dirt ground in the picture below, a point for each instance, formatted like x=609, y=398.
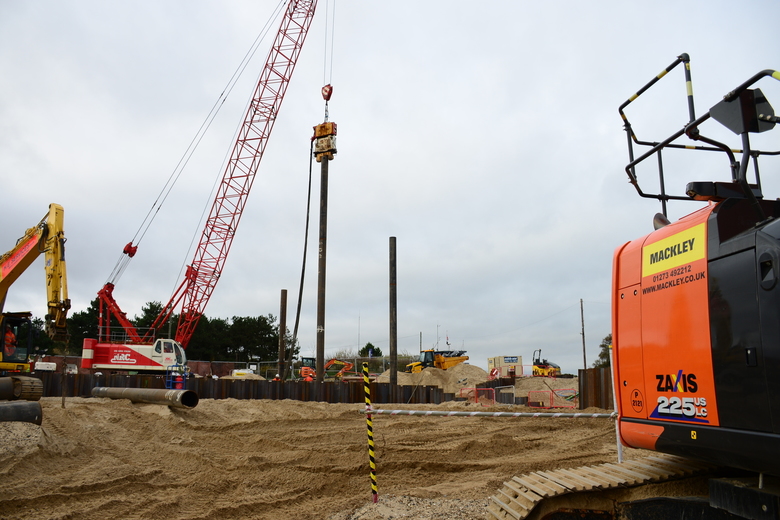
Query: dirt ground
x=99, y=458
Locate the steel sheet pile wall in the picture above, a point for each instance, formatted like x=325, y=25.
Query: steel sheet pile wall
x=81, y=385
x=596, y=388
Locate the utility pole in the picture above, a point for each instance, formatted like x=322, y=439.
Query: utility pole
x=582, y=317
x=393, y=316
x=324, y=151
x=282, y=331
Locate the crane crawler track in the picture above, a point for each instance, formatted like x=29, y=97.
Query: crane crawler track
x=519, y=496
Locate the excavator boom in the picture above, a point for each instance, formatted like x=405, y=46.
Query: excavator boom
x=47, y=238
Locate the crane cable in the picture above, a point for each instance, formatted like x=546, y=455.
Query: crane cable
x=330, y=18
x=327, y=68
x=294, y=341
x=130, y=249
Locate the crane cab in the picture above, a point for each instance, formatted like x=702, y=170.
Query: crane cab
x=154, y=358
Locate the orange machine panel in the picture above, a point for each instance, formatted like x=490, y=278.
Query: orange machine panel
x=677, y=355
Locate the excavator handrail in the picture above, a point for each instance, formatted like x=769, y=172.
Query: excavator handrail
x=691, y=130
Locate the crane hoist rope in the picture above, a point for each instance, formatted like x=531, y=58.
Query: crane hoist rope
x=131, y=247
x=330, y=30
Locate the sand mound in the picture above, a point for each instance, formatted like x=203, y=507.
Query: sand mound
x=451, y=380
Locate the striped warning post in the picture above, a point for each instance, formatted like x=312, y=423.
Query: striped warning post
x=370, y=430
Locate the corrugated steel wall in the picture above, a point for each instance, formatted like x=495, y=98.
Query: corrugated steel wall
x=80, y=385
x=596, y=388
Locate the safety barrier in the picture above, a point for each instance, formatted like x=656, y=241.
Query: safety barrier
x=560, y=398
x=483, y=396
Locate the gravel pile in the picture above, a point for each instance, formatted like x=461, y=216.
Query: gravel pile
x=415, y=508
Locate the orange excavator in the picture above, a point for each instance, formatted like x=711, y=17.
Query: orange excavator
x=307, y=370
x=696, y=338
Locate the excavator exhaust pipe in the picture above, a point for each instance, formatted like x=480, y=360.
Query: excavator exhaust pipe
x=21, y=411
x=172, y=398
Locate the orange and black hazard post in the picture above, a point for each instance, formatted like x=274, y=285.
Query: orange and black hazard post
x=370, y=430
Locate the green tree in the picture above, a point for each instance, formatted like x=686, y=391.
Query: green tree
x=40, y=342
x=243, y=338
x=255, y=337
x=210, y=341
x=602, y=361
x=370, y=348
x=149, y=313
x=83, y=324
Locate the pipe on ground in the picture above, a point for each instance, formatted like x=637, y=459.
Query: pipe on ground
x=21, y=411
x=172, y=398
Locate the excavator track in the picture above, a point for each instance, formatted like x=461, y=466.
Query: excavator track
x=23, y=388
x=586, y=489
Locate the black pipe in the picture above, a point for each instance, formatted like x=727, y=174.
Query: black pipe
x=174, y=398
x=21, y=411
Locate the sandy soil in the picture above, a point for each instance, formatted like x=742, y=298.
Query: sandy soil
x=100, y=458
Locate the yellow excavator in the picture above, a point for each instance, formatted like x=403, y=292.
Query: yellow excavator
x=47, y=238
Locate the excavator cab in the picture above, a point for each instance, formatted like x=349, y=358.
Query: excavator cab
x=17, y=336
x=425, y=360
x=308, y=367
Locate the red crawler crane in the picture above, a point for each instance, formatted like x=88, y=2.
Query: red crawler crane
x=136, y=350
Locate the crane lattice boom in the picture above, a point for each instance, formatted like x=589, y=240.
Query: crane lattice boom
x=203, y=273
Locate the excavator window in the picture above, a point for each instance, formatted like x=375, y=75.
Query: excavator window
x=17, y=338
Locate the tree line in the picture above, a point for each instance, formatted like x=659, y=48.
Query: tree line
x=238, y=339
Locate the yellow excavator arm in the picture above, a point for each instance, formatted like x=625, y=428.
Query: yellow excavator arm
x=48, y=237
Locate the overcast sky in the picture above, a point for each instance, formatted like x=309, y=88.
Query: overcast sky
x=484, y=136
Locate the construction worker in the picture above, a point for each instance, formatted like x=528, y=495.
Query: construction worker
x=276, y=378
x=308, y=377
x=9, y=343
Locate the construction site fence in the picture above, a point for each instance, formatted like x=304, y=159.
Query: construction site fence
x=593, y=390
x=81, y=385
